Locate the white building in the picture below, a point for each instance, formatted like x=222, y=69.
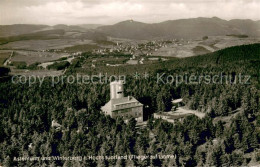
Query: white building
x=126, y=107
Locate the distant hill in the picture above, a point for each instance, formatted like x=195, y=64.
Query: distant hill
x=54, y=34
x=130, y=29
x=41, y=35
x=18, y=29
x=68, y=27
x=184, y=28
x=90, y=26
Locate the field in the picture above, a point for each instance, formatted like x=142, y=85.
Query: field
x=183, y=49
x=198, y=47
x=30, y=57
x=4, y=55
x=82, y=48
x=199, y=50
x=39, y=45
x=221, y=42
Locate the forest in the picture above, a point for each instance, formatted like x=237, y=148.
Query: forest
x=27, y=113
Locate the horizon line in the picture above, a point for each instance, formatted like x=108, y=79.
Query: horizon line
x=135, y=20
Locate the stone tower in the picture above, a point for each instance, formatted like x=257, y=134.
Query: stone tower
x=116, y=90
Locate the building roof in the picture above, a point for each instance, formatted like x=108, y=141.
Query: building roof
x=128, y=99
x=117, y=82
x=113, y=103
x=132, y=62
x=172, y=116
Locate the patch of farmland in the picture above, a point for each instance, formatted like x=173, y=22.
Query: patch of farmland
x=221, y=42
x=39, y=45
x=199, y=50
x=177, y=50
x=4, y=55
x=81, y=48
x=31, y=57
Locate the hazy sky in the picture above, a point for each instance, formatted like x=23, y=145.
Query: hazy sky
x=112, y=11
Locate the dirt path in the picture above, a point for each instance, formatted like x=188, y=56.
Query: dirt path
x=208, y=48
x=9, y=59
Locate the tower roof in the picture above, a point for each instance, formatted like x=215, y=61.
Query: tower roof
x=117, y=82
